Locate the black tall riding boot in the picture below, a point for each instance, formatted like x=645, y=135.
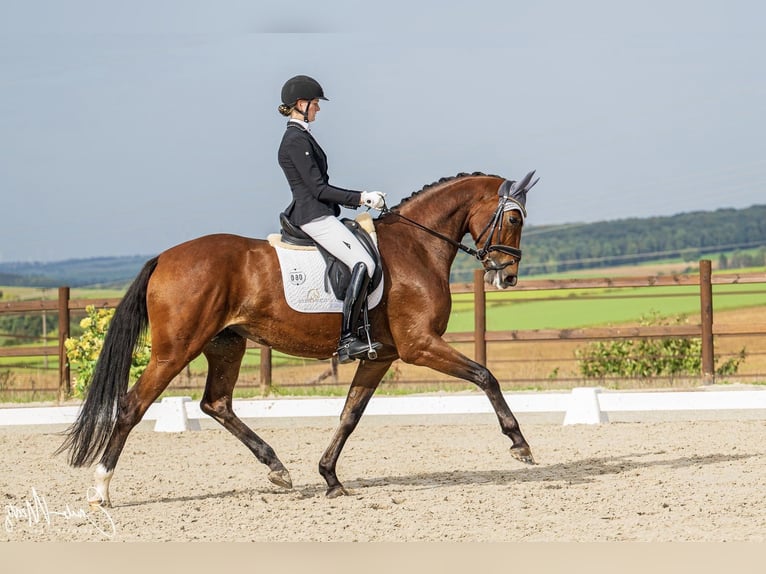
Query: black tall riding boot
x=351, y=346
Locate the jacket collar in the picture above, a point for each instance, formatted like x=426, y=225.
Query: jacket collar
x=300, y=124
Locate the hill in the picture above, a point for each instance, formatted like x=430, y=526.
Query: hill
x=688, y=235
x=547, y=249
x=96, y=272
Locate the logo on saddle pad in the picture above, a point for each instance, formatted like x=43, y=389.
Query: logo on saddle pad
x=297, y=277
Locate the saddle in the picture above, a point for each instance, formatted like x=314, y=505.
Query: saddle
x=337, y=274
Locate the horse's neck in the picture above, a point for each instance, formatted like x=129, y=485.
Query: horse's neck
x=444, y=210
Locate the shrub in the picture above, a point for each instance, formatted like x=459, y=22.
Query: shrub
x=645, y=358
x=83, y=351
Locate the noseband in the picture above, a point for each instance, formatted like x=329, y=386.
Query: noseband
x=512, y=197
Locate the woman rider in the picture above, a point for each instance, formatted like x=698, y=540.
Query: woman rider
x=316, y=205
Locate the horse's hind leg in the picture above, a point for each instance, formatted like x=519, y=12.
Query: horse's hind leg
x=131, y=410
x=366, y=379
x=224, y=354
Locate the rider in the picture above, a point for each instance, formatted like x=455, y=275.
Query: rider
x=316, y=205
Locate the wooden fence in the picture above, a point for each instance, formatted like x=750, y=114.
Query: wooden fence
x=706, y=329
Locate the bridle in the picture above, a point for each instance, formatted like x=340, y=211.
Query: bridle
x=512, y=197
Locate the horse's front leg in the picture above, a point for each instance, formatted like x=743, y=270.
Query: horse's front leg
x=433, y=352
x=366, y=379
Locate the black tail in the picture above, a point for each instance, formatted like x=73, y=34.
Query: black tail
x=87, y=437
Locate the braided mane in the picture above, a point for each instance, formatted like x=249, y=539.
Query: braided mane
x=439, y=182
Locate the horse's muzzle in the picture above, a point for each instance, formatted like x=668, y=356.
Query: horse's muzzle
x=500, y=279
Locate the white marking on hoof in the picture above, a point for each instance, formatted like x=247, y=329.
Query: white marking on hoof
x=99, y=494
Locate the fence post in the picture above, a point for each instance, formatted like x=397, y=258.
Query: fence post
x=65, y=381
x=480, y=318
x=706, y=321
x=265, y=370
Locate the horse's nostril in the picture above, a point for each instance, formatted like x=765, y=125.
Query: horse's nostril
x=511, y=280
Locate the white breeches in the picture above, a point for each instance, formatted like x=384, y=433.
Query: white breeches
x=336, y=238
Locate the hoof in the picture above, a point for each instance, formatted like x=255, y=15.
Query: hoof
x=98, y=500
x=98, y=503
x=281, y=478
x=336, y=491
x=523, y=453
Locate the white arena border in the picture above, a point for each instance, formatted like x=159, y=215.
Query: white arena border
x=583, y=405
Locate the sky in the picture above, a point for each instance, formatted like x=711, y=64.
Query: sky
x=129, y=127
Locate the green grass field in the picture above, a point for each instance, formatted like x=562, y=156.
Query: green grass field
x=572, y=308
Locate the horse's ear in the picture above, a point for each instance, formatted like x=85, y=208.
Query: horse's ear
x=524, y=183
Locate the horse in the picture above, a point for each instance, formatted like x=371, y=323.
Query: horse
x=212, y=294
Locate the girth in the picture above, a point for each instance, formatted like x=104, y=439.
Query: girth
x=337, y=273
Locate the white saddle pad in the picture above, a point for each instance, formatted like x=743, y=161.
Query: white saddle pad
x=303, y=273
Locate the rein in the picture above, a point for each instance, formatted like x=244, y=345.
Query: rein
x=508, y=201
x=472, y=252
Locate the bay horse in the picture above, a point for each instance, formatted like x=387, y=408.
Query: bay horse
x=211, y=294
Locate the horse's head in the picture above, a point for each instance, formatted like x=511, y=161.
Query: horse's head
x=488, y=207
x=499, y=239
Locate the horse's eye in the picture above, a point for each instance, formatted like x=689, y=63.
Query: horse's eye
x=514, y=221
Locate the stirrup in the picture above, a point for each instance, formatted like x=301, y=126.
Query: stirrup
x=351, y=348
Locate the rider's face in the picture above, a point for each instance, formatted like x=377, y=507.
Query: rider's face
x=313, y=108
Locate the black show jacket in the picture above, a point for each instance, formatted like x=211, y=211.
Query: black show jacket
x=305, y=166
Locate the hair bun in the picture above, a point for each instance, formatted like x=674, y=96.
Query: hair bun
x=284, y=109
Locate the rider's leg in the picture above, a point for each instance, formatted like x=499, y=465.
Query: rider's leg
x=336, y=238
x=351, y=346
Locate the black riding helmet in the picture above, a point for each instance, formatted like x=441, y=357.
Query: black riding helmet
x=301, y=88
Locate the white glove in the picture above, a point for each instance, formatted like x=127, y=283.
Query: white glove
x=373, y=199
